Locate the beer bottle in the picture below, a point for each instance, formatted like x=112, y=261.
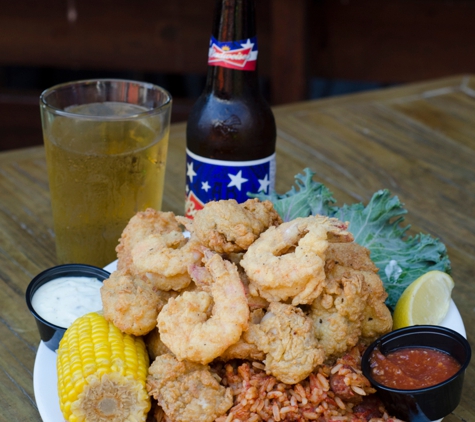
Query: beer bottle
x=231, y=132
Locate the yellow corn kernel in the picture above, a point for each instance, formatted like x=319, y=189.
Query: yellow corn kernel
x=101, y=373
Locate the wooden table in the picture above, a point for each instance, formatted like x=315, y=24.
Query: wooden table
x=417, y=140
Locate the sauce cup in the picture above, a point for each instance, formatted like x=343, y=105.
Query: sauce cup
x=429, y=403
x=51, y=333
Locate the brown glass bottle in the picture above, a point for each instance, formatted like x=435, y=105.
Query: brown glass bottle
x=231, y=130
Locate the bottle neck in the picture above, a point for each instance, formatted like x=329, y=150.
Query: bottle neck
x=234, y=21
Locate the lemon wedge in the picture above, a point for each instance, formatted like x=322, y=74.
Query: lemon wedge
x=425, y=301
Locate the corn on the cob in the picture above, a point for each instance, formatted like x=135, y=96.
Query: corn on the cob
x=101, y=373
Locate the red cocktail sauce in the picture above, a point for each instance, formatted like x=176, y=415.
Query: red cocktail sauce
x=412, y=367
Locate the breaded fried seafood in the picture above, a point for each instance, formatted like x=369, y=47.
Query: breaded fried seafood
x=286, y=336
x=244, y=348
x=351, y=307
x=226, y=226
x=353, y=258
x=164, y=258
x=199, y=326
x=248, y=318
x=132, y=302
x=155, y=345
x=338, y=313
x=187, y=392
x=140, y=226
x=287, y=262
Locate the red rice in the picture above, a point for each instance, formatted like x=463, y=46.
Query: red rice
x=259, y=397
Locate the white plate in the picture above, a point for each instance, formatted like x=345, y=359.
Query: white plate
x=45, y=380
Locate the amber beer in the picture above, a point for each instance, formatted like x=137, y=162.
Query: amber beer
x=231, y=132
x=106, y=161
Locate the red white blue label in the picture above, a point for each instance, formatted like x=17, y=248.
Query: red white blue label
x=211, y=180
x=240, y=55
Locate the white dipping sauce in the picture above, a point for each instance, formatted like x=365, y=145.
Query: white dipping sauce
x=62, y=300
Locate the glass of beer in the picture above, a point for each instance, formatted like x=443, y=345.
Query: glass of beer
x=106, y=144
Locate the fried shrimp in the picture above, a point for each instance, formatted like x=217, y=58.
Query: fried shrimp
x=131, y=302
x=244, y=349
x=287, y=262
x=285, y=335
x=199, y=326
x=203, y=280
x=187, y=391
x=141, y=225
x=226, y=226
x=165, y=259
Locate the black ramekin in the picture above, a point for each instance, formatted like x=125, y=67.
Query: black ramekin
x=430, y=403
x=50, y=333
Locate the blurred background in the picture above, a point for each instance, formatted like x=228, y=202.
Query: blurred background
x=308, y=49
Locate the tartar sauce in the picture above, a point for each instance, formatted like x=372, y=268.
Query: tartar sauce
x=62, y=300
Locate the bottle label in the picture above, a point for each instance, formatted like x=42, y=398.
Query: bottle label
x=240, y=55
x=211, y=180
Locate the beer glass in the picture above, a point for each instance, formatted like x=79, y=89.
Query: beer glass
x=106, y=147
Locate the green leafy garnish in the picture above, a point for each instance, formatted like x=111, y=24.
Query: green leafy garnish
x=311, y=198
x=401, y=259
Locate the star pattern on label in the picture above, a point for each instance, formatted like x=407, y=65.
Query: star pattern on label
x=248, y=44
x=190, y=172
x=236, y=180
x=264, y=184
x=211, y=180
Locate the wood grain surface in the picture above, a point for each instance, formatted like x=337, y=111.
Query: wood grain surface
x=416, y=140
